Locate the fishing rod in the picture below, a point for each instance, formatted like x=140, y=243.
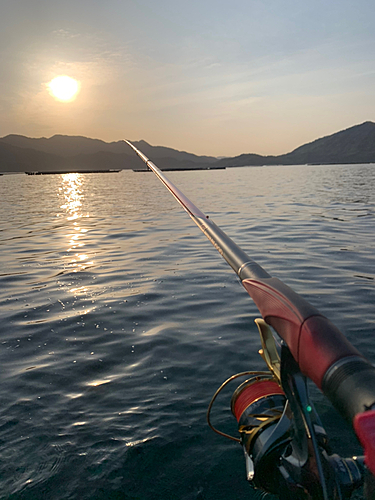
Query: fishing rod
x=285, y=445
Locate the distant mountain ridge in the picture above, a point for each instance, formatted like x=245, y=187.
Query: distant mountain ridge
x=69, y=153
x=353, y=145
x=62, y=152
x=70, y=146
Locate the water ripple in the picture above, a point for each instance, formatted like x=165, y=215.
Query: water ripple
x=119, y=320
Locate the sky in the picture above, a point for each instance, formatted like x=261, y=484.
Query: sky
x=214, y=77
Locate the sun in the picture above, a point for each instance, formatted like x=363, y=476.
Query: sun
x=63, y=88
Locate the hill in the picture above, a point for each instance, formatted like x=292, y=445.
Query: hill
x=62, y=152
x=71, y=153
x=353, y=145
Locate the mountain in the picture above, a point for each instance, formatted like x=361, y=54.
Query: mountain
x=163, y=152
x=71, y=153
x=61, y=145
x=353, y=145
x=62, y=152
x=17, y=159
x=68, y=146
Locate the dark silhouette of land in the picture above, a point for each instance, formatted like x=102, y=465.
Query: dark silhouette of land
x=62, y=153
x=353, y=145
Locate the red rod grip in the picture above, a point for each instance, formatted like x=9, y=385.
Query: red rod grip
x=315, y=343
x=364, y=426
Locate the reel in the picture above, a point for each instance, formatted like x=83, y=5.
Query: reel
x=284, y=442
x=258, y=404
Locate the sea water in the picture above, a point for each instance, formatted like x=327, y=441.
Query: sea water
x=119, y=320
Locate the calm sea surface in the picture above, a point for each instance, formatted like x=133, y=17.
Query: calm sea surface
x=119, y=320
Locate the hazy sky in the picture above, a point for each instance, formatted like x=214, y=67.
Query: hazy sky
x=217, y=77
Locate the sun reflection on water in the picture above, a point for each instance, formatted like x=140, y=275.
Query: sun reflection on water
x=72, y=189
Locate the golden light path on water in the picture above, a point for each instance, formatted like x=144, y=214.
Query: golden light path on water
x=72, y=189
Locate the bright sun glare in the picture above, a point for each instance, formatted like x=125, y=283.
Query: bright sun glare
x=63, y=88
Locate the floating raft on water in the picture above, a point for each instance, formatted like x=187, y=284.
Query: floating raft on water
x=179, y=169
x=50, y=172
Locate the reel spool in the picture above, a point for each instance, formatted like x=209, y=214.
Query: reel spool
x=257, y=403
